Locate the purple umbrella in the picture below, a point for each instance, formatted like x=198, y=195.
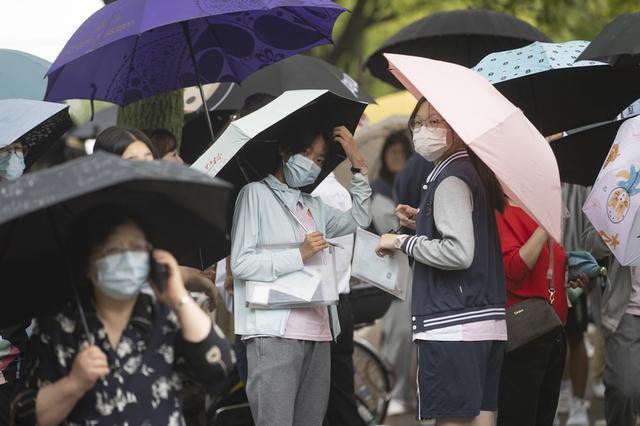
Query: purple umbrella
x=133, y=49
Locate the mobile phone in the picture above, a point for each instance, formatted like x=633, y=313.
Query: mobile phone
x=158, y=273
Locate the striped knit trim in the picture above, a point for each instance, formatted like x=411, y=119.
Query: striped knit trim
x=466, y=317
x=464, y=314
x=477, y=316
x=408, y=245
x=440, y=167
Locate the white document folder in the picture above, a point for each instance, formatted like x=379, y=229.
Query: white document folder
x=315, y=284
x=389, y=273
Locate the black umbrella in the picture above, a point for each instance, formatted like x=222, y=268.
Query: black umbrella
x=294, y=73
x=240, y=158
x=618, y=43
x=581, y=154
x=35, y=124
x=459, y=36
x=184, y=209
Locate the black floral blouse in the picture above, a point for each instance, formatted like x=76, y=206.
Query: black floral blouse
x=146, y=367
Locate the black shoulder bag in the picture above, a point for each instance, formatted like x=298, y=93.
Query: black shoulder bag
x=534, y=317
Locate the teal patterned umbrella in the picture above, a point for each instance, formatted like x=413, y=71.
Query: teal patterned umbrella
x=554, y=91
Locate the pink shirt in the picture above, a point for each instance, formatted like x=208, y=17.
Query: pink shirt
x=308, y=323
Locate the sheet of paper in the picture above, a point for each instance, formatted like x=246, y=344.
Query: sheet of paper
x=260, y=295
x=300, y=284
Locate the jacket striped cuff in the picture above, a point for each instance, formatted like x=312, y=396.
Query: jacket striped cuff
x=408, y=245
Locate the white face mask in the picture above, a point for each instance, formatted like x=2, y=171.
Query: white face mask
x=11, y=165
x=122, y=275
x=300, y=171
x=431, y=143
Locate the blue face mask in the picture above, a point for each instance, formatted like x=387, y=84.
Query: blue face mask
x=122, y=275
x=300, y=171
x=11, y=165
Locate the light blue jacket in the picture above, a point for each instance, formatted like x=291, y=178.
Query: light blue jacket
x=259, y=219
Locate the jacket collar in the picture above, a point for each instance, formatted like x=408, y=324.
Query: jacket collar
x=443, y=165
x=288, y=195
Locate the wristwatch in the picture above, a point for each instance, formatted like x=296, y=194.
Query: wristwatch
x=183, y=301
x=362, y=170
x=398, y=241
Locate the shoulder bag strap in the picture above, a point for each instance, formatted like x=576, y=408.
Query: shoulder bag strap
x=552, y=289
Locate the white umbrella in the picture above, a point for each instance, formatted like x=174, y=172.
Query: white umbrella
x=265, y=126
x=613, y=204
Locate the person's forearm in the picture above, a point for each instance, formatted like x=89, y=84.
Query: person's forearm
x=195, y=323
x=227, y=262
x=194, y=281
x=531, y=250
x=453, y=217
x=55, y=401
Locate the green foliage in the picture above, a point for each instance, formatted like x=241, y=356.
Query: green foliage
x=563, y=20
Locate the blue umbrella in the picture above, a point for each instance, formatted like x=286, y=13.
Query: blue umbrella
x=555, y=92
x=35, y=124
x=132, y=49
x=22, y=75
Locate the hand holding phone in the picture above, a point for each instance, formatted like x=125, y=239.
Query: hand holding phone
x=158, y=273
x=166, y=278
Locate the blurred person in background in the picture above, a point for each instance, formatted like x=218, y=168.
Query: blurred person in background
x=574, y=382
x=165, y=144
x=129, y=144
x=620, y=312
x=397, y=347
x=395, y=151
x=342, y=409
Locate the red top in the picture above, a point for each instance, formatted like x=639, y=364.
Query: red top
x=515, y=228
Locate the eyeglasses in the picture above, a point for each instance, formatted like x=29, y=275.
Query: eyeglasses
x=4, y=152
x=121, y=248
x=417, y=124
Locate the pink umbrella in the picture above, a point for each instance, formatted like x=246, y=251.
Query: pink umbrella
x=494, y=129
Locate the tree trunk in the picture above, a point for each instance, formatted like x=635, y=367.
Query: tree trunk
x=162, y=111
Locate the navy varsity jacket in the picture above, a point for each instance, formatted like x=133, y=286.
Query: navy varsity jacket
x=443, y=298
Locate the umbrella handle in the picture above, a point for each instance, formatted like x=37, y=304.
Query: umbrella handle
x=83, y=317
x=185, y=29
x=93, y=95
